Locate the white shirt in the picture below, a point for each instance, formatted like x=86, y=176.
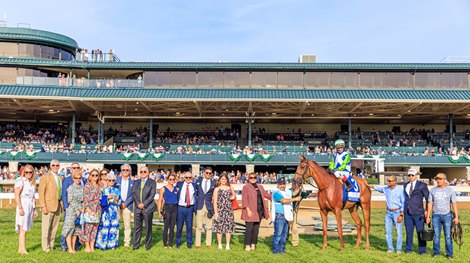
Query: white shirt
x=408, y=187
x=206, y=185
x=182, y=201
x=124, y=189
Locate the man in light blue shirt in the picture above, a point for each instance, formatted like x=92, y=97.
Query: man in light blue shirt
x=395, y=200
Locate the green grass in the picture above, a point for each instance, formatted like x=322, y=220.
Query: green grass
x=309, y=249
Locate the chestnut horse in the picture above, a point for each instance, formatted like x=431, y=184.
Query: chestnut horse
x=330, y=198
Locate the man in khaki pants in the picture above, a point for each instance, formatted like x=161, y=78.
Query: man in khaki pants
x=50, y=185
x=205, y=208
x=124, y=183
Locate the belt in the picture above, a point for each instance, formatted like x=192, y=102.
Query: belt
x=171, y=205
x=394, y=209
x=185, y=206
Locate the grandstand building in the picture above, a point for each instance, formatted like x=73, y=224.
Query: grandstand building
x=414, y=115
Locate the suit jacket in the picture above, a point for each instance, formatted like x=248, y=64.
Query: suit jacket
x=414, y=202
x=68, y=181
x=129, y=202
x=207, y=197
x=250, y=199
x=179, y=187
x=48, y=192
x=148, y=195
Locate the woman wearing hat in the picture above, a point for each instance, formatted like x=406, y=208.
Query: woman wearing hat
x=340, y=163
x=108, y=232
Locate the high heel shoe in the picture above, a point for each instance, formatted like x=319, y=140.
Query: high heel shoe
x=227, y=247
x=253, y=246
x=247, y=248
x=220, y=246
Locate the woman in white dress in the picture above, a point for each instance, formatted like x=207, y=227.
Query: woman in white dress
x=25, y=188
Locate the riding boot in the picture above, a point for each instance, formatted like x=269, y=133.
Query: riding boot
x=349, y=186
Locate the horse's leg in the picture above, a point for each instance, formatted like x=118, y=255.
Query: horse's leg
x=357, y=220
x=339, y=223
x=366, y=214
x=324, y=219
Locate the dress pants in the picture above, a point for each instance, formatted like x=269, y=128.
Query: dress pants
x=169, y=219
x=139, y=218
x=294, y=231
x=126, y=219
x=49, y=225
x=251, y=233
x=185, y=216
x=201, y=220
x=412, y=222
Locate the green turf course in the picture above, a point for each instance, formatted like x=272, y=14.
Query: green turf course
x=308, y=251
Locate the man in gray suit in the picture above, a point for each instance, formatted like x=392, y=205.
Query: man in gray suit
x=143, y=194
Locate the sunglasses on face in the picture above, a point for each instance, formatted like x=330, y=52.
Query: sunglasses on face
x=252, y=177
x=28, y=172
x=411, y=175
x=54, y=165
x=208, y=173
x=188, y=178
x=143, y=172
x=104, y=173
x=75, y=167
x=77, y=178
x=125, y=170
x=110, y=180
x=95, y=175
x=390, y=181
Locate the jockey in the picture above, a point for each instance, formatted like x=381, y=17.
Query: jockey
x=340, y=163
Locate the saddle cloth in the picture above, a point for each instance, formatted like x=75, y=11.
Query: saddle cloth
x=353, y=195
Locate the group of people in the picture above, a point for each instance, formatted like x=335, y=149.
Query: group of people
x=92, y=208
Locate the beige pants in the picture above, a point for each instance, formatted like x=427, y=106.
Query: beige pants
x=126, y=219
x=201, y=220
x=50, y=224
x=294, y=231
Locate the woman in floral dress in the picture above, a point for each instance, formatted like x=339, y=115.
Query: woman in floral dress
x=92, y=210
x=108, y=232
x=224, y=221
x=75, y=196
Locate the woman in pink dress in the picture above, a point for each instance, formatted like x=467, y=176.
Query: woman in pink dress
x=92, y=210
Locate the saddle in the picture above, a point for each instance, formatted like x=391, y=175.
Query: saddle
x=353, y=195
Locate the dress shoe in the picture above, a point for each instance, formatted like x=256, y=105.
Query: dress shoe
x=449, y=257
x=198, y=248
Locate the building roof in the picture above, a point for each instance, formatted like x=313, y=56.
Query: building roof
x=205, y=66
x=28, y=35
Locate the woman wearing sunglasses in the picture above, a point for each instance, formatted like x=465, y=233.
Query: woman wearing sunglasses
x=108, y=232
x=254, y=209
x=70, y=229
x=25, y=206
x=92, y=210
x=168, y=210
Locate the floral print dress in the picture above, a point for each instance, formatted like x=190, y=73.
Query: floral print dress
x=108, y=232
x=226, y=220
x=91, y=203
x=75, y=197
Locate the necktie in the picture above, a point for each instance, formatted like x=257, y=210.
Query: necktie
x=411, y=188
x=59, y=186
x=205, y=186
x=142, y=189
x=188, y=199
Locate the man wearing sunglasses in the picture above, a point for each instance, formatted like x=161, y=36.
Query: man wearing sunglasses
x=205, y=208
x=50, y=196
x=395, y=200
x=143, y=194
x=68, y=181
x=187, y=199
x=124, y=184
x=415, y=192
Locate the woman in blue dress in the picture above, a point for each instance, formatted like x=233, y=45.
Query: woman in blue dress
x=108, y=232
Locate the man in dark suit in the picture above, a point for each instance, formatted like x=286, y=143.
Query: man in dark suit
x=187, y=202
x=124, y=183
x=205, y=208
x=414, y=211
x=143, y=194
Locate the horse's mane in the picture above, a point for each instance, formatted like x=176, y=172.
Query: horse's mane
x=323, y=169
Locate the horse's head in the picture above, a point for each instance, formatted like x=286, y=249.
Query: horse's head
x=301, y=173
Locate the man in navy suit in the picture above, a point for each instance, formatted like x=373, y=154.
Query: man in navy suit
x=205, y=208
x=143, y=195
x=414, y=211
x=124, y=183
x=187, y=202
x=68, y=181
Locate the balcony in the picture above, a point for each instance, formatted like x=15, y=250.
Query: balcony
x=81, y=82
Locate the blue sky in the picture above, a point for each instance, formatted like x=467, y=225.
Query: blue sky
x=256, y=31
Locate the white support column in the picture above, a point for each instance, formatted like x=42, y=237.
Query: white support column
x=250, y=168
x=195, y=169
x=13, y=166
x=468, y=173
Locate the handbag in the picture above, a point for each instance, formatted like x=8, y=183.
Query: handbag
x=78, y=219
x=427, y=234
x=91, y=218
x=235, y=205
